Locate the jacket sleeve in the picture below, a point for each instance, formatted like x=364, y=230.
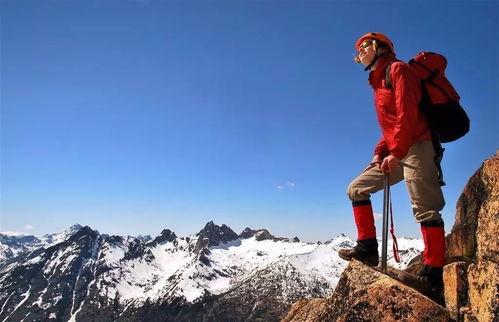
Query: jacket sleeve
x=406, y=86
x=381, y=148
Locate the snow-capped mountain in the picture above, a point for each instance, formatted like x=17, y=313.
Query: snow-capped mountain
x=12, y=245
x=215, y=275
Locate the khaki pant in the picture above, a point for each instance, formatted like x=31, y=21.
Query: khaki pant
x=422, y=183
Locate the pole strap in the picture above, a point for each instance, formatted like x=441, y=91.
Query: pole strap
x=395, y=247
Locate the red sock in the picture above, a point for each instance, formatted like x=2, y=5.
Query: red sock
x=434, y=243
x=364, y=219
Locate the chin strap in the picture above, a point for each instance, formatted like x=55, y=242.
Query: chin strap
x=368, y=67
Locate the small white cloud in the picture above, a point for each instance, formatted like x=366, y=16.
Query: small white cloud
x=288, y=184
x=29, y=227
x=378, y=216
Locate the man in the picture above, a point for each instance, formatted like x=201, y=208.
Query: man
x=405, y=137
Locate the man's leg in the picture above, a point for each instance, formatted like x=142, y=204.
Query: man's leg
x=427, y=202
x=359, y=192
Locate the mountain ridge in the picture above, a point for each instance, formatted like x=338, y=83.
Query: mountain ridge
x=89, y=275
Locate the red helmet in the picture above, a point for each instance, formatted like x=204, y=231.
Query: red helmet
x=375, y=35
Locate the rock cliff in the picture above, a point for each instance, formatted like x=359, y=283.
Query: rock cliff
x=366, y=294
x=471, y=276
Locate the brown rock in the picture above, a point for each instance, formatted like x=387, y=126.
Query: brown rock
x=488, y=217
x=307, y=310
x=365, y=294
x=456, y=287
x=479, y=207
x=462, y=240
x=483, y=280
x=477, y=215
x=465, y=314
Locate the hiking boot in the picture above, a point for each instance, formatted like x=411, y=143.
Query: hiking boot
x=365, y=251
x=428, y=282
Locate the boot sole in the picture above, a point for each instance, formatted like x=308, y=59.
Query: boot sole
x=365, y=261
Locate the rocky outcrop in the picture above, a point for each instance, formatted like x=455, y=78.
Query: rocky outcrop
x=483, y=292
x=456, y=284
x=471, y=278
x=261, y=234
x=304, y=310
x=144, y=238
x=166, y=236
x=474, y=239
x=213, y=235
x=488, y=216
x=477, y=214
x=264, y=234
x=365, y=294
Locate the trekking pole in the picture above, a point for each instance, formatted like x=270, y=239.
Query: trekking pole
x=386, y=205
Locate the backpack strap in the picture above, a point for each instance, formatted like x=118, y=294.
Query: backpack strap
x=439, y=154
x=388, y=80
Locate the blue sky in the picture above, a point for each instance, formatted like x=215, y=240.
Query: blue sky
x=134, y=116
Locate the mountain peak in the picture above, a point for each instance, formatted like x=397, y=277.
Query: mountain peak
x=82, y=231
x=55, y=238
x=75, y=227
x=214, y=235
x=211, y=225
x=264, y=234
x=144, y=238
x=260, y=234
x=165, y=236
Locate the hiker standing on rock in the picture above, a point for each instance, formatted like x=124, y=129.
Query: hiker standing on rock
x=405, y=137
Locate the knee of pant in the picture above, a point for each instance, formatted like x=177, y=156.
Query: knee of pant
x=352, y=191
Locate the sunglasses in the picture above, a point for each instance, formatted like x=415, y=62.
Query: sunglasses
x=365, y=44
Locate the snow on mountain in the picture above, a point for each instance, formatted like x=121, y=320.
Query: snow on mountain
x=408, y=249
x=13, y=244
x=52, y=239
x=119, y=275
x=12, y=233
x=176, y=271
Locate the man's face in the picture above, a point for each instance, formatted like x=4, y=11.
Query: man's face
x=366, y=52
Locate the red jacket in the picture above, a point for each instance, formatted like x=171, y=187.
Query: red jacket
x=401, y=122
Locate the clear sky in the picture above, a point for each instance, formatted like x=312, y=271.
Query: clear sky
x=135, y=116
